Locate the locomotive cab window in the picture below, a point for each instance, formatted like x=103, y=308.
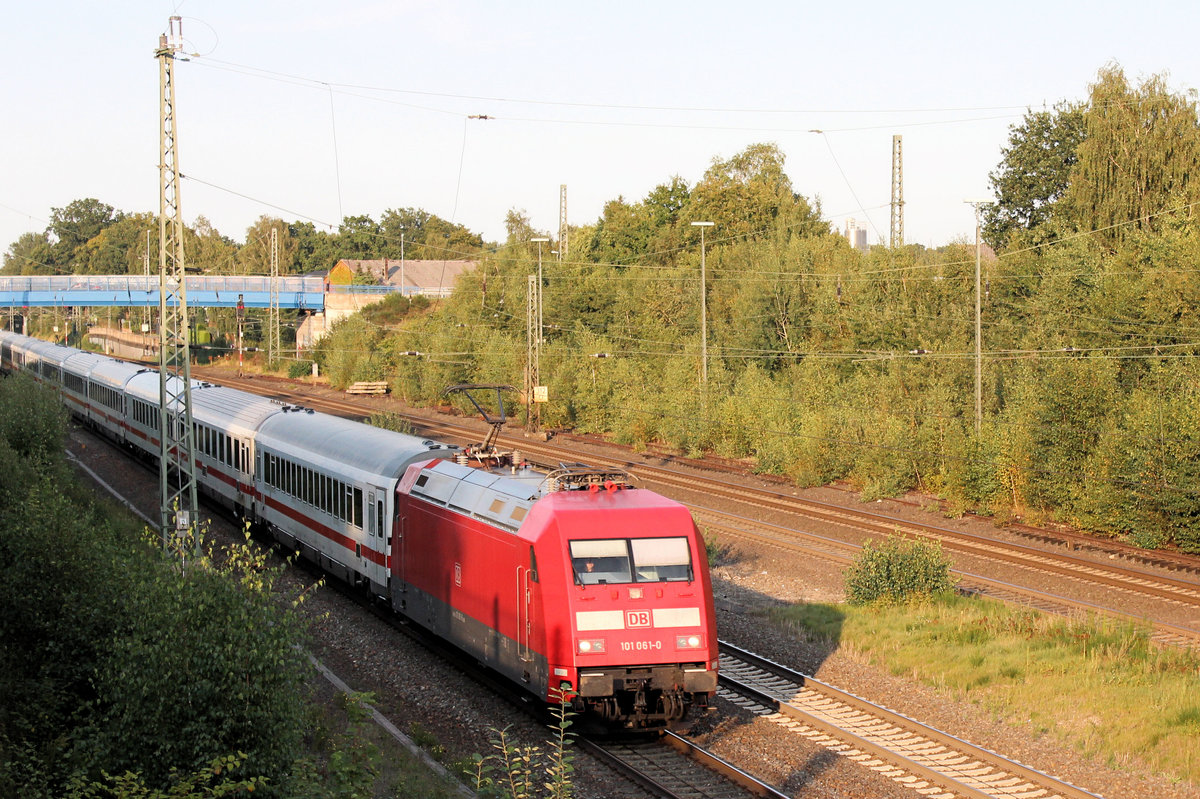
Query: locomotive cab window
x=659, y=560
x=635, y=560
x=601, y=561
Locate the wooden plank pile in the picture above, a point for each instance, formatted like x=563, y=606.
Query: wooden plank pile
x=368, y=387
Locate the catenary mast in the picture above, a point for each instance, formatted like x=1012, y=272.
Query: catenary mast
x=177, y=457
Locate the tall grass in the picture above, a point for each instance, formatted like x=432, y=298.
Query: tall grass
x=1098, y=686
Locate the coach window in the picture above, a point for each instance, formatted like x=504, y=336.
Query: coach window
x=358, y=508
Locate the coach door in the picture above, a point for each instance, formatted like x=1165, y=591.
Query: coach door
x=375, y=553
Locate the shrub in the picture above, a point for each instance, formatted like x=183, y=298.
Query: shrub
x=389, y=420
x=299, y=369
x=898, y=571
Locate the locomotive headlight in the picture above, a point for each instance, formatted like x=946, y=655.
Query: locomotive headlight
x=590, y=646
x=688, y=641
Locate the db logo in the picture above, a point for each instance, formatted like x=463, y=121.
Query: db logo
x=637, y=618
x=458, y=574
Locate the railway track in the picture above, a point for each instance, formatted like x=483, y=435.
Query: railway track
x=843, y=553
x=673, y=767
x=920, y=757
x=1181, y=588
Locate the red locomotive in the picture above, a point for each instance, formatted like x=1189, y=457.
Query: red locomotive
x=591, y=586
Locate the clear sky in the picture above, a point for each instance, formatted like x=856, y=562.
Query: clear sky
x=319, y=110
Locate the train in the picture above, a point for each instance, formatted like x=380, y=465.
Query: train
x=567, y=580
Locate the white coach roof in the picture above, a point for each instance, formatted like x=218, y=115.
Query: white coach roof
x=319, y=437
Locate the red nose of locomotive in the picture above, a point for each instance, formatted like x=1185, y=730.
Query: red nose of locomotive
x=643, y=637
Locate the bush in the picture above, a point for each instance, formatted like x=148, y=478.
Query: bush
x=204, y=662
x=299, y=369
x=898, y=571
x=32, y=420
x=391, y=421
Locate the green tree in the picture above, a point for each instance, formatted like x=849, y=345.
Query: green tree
x=748, y=193
x=1141, y=480
x=426, y=236
x=1033, y=173
x=622, y=234
x=316, y=250
x=120, y=247
x=359, y=237
x=206, y=250
x=73, y=225
x=30, y=254
x=1059, y=410
x=254, y=257
x=1138, y=157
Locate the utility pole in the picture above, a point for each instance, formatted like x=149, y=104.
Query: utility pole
x=146, y=308
x=896, y=238
x=241, y=318
x=703, y=313
x=537, y=392
x=532, y=355
x=540, y=241
x=178, y=504
x=978, y=326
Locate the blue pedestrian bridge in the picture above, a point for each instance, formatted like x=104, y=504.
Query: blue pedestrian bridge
x=208, y=291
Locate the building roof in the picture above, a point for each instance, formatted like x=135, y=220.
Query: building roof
x=419, y=275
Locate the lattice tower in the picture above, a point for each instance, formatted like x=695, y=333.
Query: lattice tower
x=562, y=221
x=897, y=234
x=177, y=456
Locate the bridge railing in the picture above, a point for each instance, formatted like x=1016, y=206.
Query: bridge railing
x=311, y=285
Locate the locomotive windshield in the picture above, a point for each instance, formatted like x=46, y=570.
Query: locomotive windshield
x=631, y=560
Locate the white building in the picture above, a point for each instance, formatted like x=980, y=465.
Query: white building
x=856, y=234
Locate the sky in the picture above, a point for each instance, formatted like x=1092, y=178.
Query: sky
x=315, y=111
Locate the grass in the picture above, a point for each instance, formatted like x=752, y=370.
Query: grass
x=1098, y=686
x=343, y=739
